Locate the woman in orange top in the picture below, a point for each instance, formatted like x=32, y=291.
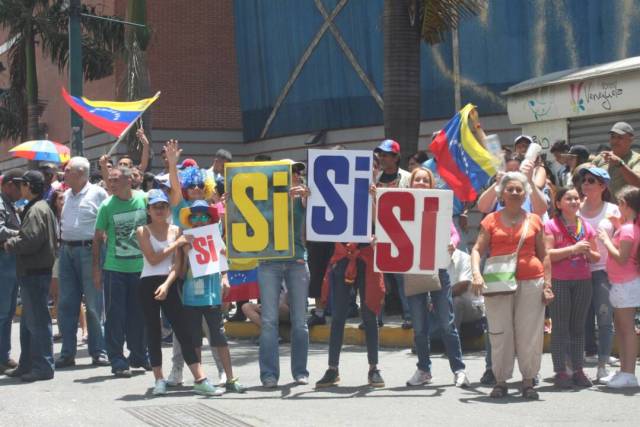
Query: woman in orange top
x=516, y=319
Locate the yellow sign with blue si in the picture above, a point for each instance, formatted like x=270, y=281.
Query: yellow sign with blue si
x=259, y=212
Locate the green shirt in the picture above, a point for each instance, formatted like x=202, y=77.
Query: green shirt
x=120, y=219
x=632, y=160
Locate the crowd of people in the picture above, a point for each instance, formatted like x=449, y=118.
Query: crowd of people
x=111, y=247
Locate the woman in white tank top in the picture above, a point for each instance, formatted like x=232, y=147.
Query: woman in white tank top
x=159, y=241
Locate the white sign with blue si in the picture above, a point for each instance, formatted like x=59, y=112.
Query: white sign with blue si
x=339, y=206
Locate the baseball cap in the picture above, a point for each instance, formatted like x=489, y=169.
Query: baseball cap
x=597, y=172
x=32, y=177
x=296, y=166
x=199, y=206
x=163, y=180
x=519, y=137
x=157, y=196
x=223, y=154
x=580, y=151
x=388, y=146
x=622, y=128
x=187, y=163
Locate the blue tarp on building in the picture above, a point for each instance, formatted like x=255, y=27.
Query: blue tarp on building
x=511, y=41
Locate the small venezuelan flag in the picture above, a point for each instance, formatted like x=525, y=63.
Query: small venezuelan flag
x=115, y=118
x=463, y=163
x=243, y=279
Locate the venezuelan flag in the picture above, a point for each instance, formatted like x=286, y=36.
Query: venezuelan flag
x=243, y=279
x=464, y=164
x=115, y=118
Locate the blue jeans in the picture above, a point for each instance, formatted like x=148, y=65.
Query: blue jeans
x=124, y=320
x=295, y=275
x=398, y=279
x=8, y=296
x=341, y=303
x=442, y=301
x=75, y=280
x=604, y=313
x=36, y=339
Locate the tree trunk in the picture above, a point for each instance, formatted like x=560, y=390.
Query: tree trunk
x=401, y=76
x=33, y=110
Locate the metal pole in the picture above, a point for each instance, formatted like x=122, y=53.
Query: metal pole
x=455, y=47
x=75, y=75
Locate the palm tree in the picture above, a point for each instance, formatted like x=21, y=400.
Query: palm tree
x=136, y=81
x=406, y=23
x=44, y=24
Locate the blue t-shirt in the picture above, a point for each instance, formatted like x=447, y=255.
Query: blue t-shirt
x=458, y=206
x=202, y=291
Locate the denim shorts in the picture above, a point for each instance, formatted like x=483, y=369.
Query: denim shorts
x=625, y=295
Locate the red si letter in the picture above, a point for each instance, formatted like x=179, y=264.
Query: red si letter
x=428, y=240
x=200, y=245
x=393, y=228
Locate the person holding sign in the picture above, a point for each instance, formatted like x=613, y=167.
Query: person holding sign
x=188, y=196
x=442, y=301
x=295, y=274
x=159, y=243
x=516, y=318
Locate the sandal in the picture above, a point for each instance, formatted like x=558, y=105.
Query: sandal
x=529, y=393
x=499, y=391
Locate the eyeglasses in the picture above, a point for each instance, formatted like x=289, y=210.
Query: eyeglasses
x=199, y=218
x=199, y=185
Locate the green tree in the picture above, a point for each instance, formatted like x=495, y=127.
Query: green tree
x=43, y=24
x=406, y=23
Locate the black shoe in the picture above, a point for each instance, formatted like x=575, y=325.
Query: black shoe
x=375, y=379
x=380, y=323
x=488, y=378
x=329, y=379
x=100, y=361
x=65, y=362
x=405, y=325
x=15, y=372
x=31, y=377
x=238, y=316
x=122, y=373
x=353, y=312
x=316, y=320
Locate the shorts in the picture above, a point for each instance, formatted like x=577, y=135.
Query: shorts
x=625, y=295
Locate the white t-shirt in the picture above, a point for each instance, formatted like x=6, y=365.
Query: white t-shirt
x=600, y=222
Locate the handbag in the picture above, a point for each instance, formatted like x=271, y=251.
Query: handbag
x=500, y=271
x=415, y=284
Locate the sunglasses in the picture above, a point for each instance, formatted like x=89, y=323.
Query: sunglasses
x=199, y=218
x=591, y=180
x=200, y=186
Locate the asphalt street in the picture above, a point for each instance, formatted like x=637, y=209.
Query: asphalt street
x=88, y=396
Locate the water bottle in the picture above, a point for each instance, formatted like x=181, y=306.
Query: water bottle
x=533, y=152
x=492, y=142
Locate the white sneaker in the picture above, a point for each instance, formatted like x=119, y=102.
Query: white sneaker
x=460, y=379
x=602, y=375
x=175, y=377
x=160, y=388
x=605, y=380
x=419, y=377
x=623, y=380
x=302, y=380
x=613, y=361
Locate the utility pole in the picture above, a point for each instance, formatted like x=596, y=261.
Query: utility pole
x=75, y=75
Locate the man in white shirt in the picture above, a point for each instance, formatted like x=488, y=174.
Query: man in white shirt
x=78, y=219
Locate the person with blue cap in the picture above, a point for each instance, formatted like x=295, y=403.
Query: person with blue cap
x=159, y=243
x=596, y=210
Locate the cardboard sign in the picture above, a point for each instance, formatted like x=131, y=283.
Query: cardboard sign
x=339, y=205
x=259, y=217
x=413, y=230
x=205, y=257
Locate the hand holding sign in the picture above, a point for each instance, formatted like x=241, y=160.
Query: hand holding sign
x=207, y=254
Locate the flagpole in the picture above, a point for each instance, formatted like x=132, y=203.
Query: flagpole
x=124, y=133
